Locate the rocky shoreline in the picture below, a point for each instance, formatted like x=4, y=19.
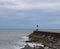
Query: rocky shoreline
x=48, y=39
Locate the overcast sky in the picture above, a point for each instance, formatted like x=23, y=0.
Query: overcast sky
x=28, y=13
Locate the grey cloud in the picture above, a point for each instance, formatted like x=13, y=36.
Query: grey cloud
x=7, y=3
x=32, y=1
x=31, y=4
x=42, y=17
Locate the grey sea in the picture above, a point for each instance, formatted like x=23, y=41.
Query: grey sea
x=13, y=38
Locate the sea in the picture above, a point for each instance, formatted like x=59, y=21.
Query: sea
x=15, y=38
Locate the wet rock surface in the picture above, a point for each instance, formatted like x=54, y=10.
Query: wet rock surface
x=51, y=39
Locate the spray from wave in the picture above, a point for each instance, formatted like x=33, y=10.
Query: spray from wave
x=21, y=43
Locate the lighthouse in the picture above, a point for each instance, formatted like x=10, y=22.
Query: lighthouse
x=37, y=27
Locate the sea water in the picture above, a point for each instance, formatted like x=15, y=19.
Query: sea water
x=13, y=38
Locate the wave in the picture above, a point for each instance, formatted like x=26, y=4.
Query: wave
x=21, y=43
